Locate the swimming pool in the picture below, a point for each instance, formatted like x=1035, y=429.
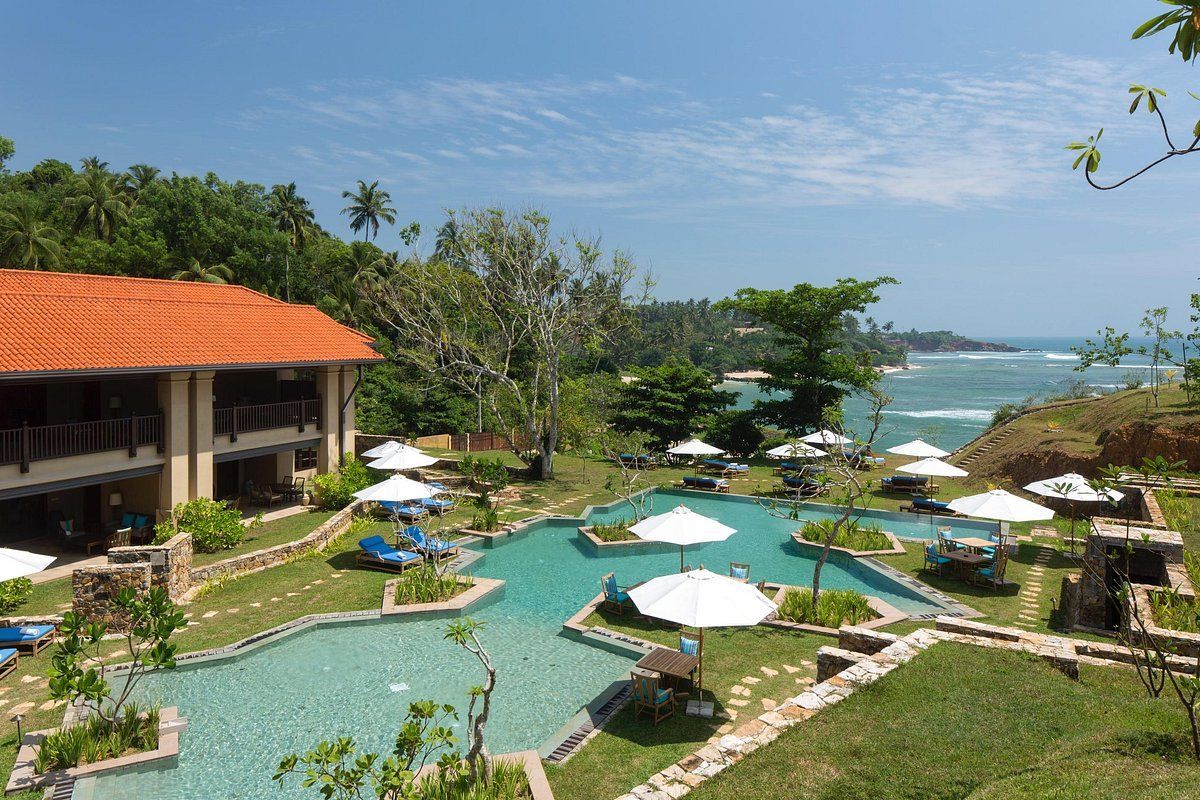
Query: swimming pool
x=356, y=679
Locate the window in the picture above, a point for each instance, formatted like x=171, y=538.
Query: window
x=306, y=459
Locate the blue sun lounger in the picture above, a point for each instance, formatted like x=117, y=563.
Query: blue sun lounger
x=405, y=511
x=430, y=546
x=437, y=505
x=708, y=484
x=8, y=660
x=33, y=638
x=377, y=553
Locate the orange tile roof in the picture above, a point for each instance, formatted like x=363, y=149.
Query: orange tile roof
x=58, y=322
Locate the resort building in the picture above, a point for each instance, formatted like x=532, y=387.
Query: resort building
x=129, y=395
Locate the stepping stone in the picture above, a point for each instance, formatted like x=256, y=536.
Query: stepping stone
x=274, y=599
x=738, y=702
x=790, y=670
x=724, y=729
x=233, y=611
x=293, y=594
x=808, y=664
x=768, y=704
x=770, y=673
x=751, y=681
x=188, y=615
x=210, y=614
x=336, y=575
x=255, y=605
x=305, y=588
x=5, y=689
x=21, y=708
x=732, y=714
x=318, y=581
x=49, y=704
x=29, y=678
x=739, y=690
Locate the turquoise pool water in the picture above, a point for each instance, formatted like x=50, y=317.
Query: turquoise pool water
x=356, y=679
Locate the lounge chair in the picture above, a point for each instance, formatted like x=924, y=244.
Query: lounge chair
x=923, y=505
x=739, y=572
x=638, y=461
x=429, y=546
x=409, y=512
x=8, y=661
x=33, y=638
x=794, y=484
x=616, y=599
x=649, y=697
x=799, y=469
x=909, y=484
x=723, y=468
x=377, y=553
x=705, y=483
x=862, y=459
x=438, y=505
x=934, y=560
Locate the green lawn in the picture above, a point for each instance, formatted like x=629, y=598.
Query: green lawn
x=627, y=751
x=964, y=722
x=269, y=534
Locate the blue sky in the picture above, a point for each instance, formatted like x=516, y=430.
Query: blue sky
x=722, y=145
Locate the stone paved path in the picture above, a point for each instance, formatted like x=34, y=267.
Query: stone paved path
x=1031, y=590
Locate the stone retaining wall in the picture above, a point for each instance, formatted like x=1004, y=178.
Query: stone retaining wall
x=170, y=562
x=94, y=591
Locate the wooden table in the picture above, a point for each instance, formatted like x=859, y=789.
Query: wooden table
x=670, y=664
x=975, y=543
x=966, y=563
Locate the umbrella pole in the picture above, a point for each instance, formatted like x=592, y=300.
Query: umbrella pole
x=700, y=671
x=681, y=558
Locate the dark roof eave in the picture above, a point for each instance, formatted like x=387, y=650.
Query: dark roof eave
x=110, y=371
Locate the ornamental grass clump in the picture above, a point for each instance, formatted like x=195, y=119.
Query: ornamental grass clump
x=613, y=531
x=852, y=535
x=95, y=739
x=425, y=584
x=835, y=608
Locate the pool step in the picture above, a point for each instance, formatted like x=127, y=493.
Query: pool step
x=60, y=791
x=572, y=742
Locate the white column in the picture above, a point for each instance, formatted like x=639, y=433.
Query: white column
x=200, y=428
x=173, y=399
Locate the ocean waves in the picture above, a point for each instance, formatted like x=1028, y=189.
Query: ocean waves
x=971, y=414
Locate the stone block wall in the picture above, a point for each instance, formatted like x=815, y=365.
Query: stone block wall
x=1093, y=595
x=94, y=590
x=170, y=563
x=858, y=639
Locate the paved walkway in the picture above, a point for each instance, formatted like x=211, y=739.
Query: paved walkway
x=742, y=694
x=1031, y=590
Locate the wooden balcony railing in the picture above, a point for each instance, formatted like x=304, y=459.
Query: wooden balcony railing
x=237, y=419
x=31, y=443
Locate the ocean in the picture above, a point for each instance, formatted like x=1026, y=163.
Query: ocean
x=948, y=398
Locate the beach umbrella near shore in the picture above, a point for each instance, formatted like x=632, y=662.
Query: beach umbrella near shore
x=681, y=526
x=695, y=447
x=932, y=468
x=1001, y=506
x=826, y=437
x=701, y=599
x=918, y=448
x=796, y=450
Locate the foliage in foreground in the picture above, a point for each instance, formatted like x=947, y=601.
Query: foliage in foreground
x=14, y=593
x=335, y=490
x=96, y=739
x=213, y=524
x=853, y=535
x=836, y=607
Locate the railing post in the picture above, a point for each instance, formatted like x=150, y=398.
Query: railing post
x=133, y=443
x=25, y=446
x=162, y=426
x=319, y=407
x=233, y=414
x=303, y=413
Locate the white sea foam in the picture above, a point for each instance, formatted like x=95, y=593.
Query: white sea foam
x=979, y=414
x=1061, y=356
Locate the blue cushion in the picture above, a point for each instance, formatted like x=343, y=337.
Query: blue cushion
x=739, y=572
x=141, y=521
x=127, y=520
x=7, y=655
x=397, y=556
x=688, y=646
x=15, y=634
x=663, y=696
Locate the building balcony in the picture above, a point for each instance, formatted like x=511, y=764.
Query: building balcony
x=31, y=443
x=240, y=419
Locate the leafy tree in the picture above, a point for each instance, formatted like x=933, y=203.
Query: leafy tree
x=195, y=271
x=47, y=173
x=26, y=240
x=735, y=432
x=7, y=149
x=811, y=367
x=98, y=203
x=501, y=325
x=137, y=179
x=668, y=402
x=368, y=205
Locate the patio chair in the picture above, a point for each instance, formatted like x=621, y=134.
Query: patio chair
x=34, y=638
x=945, y=541
x=993, y=574
x=616, y=599
x=739, y=572
x=429, y=546
x=298, y=484
x=263, y=496
x=795, y=484
x=649, y=697
x=934, y=560
x=8, y=661
x=378, y=554
x=707, y=484
x=121, y=537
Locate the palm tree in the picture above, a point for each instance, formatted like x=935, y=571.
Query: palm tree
x=447, y=245
x=368, y=205
x=93, y=162
x=291, y=213
x=137, y=179
x=194, y=271
x=98, y=203
x=27, y=240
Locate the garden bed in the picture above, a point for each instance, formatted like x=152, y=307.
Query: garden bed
x=882, y=613
x=896, y=548
x=471, y=591
x=588, y=533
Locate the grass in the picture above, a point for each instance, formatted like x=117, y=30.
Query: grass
x=627, y=751
x=1182, y=513
x=964, y=722
x=269, y=534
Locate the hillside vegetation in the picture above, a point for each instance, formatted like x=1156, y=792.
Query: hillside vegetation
x=1119, y=428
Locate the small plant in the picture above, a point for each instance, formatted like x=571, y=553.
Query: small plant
x=852, y=535
x=614, y=531
x=335, y=490
x=95, y=739
x=213, y=524
x=14, y=593
x=425, y=584
x=836, y=607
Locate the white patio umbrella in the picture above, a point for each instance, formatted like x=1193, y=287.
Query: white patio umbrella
x=796, y=450
x=681, y=526
x=381, y=450
x=1001, y=506
x=396, y=489
x=932, y=467
x=826, y=437
x=695, y=447
x=701, y=599
x=402, y=459
x=918, y=448
x=19, y=563
x=1073, y=488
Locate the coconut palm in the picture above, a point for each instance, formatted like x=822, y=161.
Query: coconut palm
x=93, y=162
x=368, y=205
x=98, y=203
x=291, y=214
x=27, y=240
x=195, y=271
x=137, y=179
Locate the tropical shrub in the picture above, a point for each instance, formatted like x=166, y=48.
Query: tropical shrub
x=613, y=531
x=14, y=593
x=852, y=535
x=213, y=524
x=95, y=739
x=425, y=584
x=335, y=490
x=836, y=607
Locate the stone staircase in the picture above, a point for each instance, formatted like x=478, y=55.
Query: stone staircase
x=970, y=455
